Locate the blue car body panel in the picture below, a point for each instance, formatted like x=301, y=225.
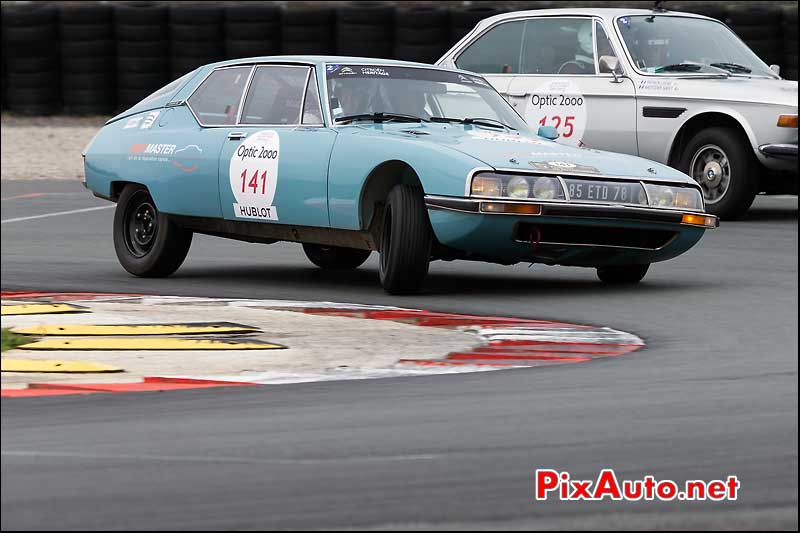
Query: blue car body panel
x=322, y=172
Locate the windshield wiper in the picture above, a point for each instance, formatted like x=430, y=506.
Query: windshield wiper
x=680, y=67
x=733, y=67
x=380, y=117
x=494, y=123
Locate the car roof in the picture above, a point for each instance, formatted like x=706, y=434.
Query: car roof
x=601, y=12
x=318, y=61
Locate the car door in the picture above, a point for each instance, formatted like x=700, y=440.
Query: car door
x=273, y=166
x=562, y=83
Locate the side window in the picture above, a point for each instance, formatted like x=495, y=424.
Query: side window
x=495, y=52
x=558, y=46
x=604, y=47
x=275, y=95
x=216, y=101
x=312, y=114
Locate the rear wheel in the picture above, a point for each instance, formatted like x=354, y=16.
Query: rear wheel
x=722, y=162
x=335, y=257
x=148, y=243
x=622, y=275
x=406, y=240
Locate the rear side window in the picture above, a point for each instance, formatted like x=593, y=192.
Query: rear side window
x=216, y=101
x=275, y=95
x=495, y=52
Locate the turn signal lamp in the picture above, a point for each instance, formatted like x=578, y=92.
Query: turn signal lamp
x=700, y=220
x=787, y=121
x=511, y=209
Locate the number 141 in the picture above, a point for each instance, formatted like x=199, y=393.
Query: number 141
x=253, y=183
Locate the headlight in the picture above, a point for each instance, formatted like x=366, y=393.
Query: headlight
x=518, y=187
x=546, y=188
x=674, y=197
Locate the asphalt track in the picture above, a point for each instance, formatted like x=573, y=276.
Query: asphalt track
x=713, y=394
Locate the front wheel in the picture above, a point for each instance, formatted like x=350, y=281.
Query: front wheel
x=335, y=257
x=148, y=243
x=406, y=241
x=622, y=275
x=722, y=162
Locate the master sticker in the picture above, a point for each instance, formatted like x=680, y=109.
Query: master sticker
x=254, y=176
x=559, y=103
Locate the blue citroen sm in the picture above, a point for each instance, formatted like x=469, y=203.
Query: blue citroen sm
x=352, y=155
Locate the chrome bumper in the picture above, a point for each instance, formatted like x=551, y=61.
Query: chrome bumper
x=782, y=150
x=569, y=210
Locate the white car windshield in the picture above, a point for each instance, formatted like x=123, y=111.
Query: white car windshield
x=393, y=93
x=667, y=44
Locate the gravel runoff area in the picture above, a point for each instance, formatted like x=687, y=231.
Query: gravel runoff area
x=45, y=147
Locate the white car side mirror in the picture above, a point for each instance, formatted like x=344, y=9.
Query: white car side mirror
x=776, y=69
x=609, y=65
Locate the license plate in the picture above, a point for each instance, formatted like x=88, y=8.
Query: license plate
x=606, y=191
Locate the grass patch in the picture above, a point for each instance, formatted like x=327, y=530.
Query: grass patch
x=11, y=340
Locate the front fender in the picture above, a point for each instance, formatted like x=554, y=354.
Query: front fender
x=441, y=170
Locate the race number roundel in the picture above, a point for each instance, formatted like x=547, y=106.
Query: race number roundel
x=254, y=176
x=558, y=103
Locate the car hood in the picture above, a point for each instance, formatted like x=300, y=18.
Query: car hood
x=726, y=90
x=525, y=152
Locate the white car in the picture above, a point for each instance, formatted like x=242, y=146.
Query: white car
x=677, y=88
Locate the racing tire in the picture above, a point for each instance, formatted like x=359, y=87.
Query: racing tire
x=148, y=243
x=308, y=16
x=622, y=275
x=727, y=154
x=335, y=257
x=76, y=13
x=406, y=240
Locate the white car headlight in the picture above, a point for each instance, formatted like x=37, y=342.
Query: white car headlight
x=674, y=197
x=493, y=185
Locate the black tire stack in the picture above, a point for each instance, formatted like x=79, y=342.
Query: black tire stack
x=196, y=36
x=760, y=27
x=715, y=11
x=252, y=30
x=30, y=49
x=365, y=29
x=307, y=30
x=88, y=62
x=422, y=33
x=463, y=20
x=789, y=64
x=142, y=31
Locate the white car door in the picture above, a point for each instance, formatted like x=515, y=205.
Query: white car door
x=561, y=82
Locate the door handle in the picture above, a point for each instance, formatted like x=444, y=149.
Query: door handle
x=237, y=135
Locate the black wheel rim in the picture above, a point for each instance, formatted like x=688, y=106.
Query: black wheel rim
x=141, y=225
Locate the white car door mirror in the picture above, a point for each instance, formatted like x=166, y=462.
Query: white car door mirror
x=609, y=65
x=776, y=69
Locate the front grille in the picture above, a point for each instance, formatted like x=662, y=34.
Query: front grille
x=580, y=235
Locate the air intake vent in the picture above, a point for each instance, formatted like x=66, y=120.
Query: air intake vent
x=414, y=132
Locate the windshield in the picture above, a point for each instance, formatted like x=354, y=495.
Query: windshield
x=427, y=94
x=670, y=44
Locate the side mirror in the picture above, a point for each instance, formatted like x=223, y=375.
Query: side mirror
x=609, y=65
x=776, y=69
x=548, y=132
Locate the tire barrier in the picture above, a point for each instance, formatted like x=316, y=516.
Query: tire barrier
x=30, y=47
x=362, y=26
x=422, y=33
x=141, y=30
x=88, y=63
x=196, y=36
x=98, y=57
x=252, y=30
